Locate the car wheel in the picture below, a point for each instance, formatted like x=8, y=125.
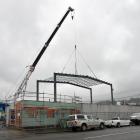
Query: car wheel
x=83, y=127
x=118, y=125
x=101, y=126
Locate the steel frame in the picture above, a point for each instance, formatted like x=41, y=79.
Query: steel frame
x=55, y=81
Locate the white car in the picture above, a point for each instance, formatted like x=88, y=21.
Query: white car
x=117, y=122
x=84, y=122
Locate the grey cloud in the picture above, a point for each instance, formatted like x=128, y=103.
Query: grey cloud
x=106, y=33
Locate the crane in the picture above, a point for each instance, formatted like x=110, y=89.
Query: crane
x=23, y=85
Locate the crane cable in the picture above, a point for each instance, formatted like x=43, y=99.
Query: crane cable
x=75, y=38
x=75, y=41
x=76, y=50
x=86, y=64
x=72, y=17
x=67, y=61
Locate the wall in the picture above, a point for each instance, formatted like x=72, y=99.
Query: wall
x=38, y=113
x=108, y=111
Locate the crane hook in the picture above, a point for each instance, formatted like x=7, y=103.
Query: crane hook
x=72, y=15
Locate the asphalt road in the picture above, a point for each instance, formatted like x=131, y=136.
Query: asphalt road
x=123, y=133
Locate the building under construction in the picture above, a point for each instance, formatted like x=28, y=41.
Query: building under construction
x=36, y=109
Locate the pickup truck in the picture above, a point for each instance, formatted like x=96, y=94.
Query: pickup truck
x=84, y=122
x=117, y=122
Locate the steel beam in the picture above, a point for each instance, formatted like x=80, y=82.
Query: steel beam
x=83, y=76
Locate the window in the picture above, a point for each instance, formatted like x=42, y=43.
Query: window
x=94, y=117
x=114, y=118
x=80, y=117
x=89, y=117
x=51, y=113
x=29, y=112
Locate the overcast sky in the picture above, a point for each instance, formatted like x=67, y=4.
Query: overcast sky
x=106, y=33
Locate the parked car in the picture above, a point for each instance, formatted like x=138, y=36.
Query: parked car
x=117, y=122
x=84, y=122
x=135, y=118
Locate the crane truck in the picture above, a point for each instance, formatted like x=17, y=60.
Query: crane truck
x=23, y=85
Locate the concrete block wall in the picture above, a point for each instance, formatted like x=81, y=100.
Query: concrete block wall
x=109, y=111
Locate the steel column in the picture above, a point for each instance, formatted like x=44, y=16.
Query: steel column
x=37, y=90
x=55, y=91
x=112, y=100
x=91, y=95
